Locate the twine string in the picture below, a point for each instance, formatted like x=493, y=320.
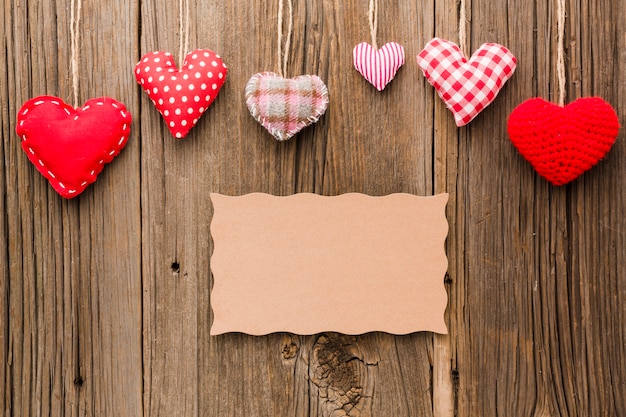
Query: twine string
x=372, y=14
x=75, y=11
x=560, y=59
x=463, y=28
x=183, y=30
x=283, y=54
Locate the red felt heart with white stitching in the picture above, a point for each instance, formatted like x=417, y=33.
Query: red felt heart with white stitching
x=70, y=146
x=181, y=95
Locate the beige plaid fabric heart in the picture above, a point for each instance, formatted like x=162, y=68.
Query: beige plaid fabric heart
x=284, y=106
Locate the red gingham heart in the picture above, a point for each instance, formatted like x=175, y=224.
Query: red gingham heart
x=69, y=146
x=284, y=106
x=467, y=87
x=563, y=142
x=378, y=67
x=181, y=96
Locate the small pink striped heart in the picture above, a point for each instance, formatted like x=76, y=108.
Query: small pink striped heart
x=378, y=66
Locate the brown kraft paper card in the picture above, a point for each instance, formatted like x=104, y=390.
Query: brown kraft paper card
x=308, y=263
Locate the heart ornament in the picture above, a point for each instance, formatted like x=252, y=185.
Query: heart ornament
x=284, y=106
x=466, y=87
x=561, y=143
x=69, y=146
x=378, y=66
x=181, y=95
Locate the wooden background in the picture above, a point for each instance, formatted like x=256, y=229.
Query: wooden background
x=105, y=299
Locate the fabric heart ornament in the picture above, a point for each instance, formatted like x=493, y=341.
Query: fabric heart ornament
x=378, y=66
x=284, y=106
x=181, y=95
x=563, y=142
x=467, y=87
x=69, y=146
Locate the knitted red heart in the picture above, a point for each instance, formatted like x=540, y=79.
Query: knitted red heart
x=181, y=96
x=467, y=87
x=378, y=67
x=563, y=142
x=286, y=106
x=70, y=146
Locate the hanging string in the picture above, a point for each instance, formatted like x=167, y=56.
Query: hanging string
x=75, y=6
x=183, y=30
x=283, y=55
x=463, y=29
x=373, y=18
x=560, y=60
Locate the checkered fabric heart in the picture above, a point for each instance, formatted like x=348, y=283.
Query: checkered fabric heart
x=286, y=106
x=378, y=66
x=467, y=87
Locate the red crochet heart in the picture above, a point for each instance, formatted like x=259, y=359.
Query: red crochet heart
x=70, y=146
x=563, y=142
x=181, y=96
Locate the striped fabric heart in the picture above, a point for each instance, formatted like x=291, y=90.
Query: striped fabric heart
x=378, y=66
x=467, y=87
x=284, y=106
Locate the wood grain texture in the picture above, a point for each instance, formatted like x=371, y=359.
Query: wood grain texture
x=71, y=318
x=105, y=299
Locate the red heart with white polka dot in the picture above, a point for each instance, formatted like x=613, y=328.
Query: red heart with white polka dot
x=181, y=96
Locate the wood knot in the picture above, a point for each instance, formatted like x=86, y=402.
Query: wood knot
x=79, y=381
x=289, y=349
x=343, y=378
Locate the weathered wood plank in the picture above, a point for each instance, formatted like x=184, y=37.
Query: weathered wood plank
x=596, y=333
x=446, y=144
x=175, y=216
x=5, y=127
x=534, y=353
x=73, y=270
x=497, y=195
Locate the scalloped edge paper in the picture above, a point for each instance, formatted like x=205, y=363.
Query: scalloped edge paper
x=308, y=263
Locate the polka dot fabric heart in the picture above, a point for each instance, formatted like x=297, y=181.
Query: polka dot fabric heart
x=284, y=106
x=561, y=143
x=467, y=87
x=378, y=66
x=181, y=96
x=68, y=146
